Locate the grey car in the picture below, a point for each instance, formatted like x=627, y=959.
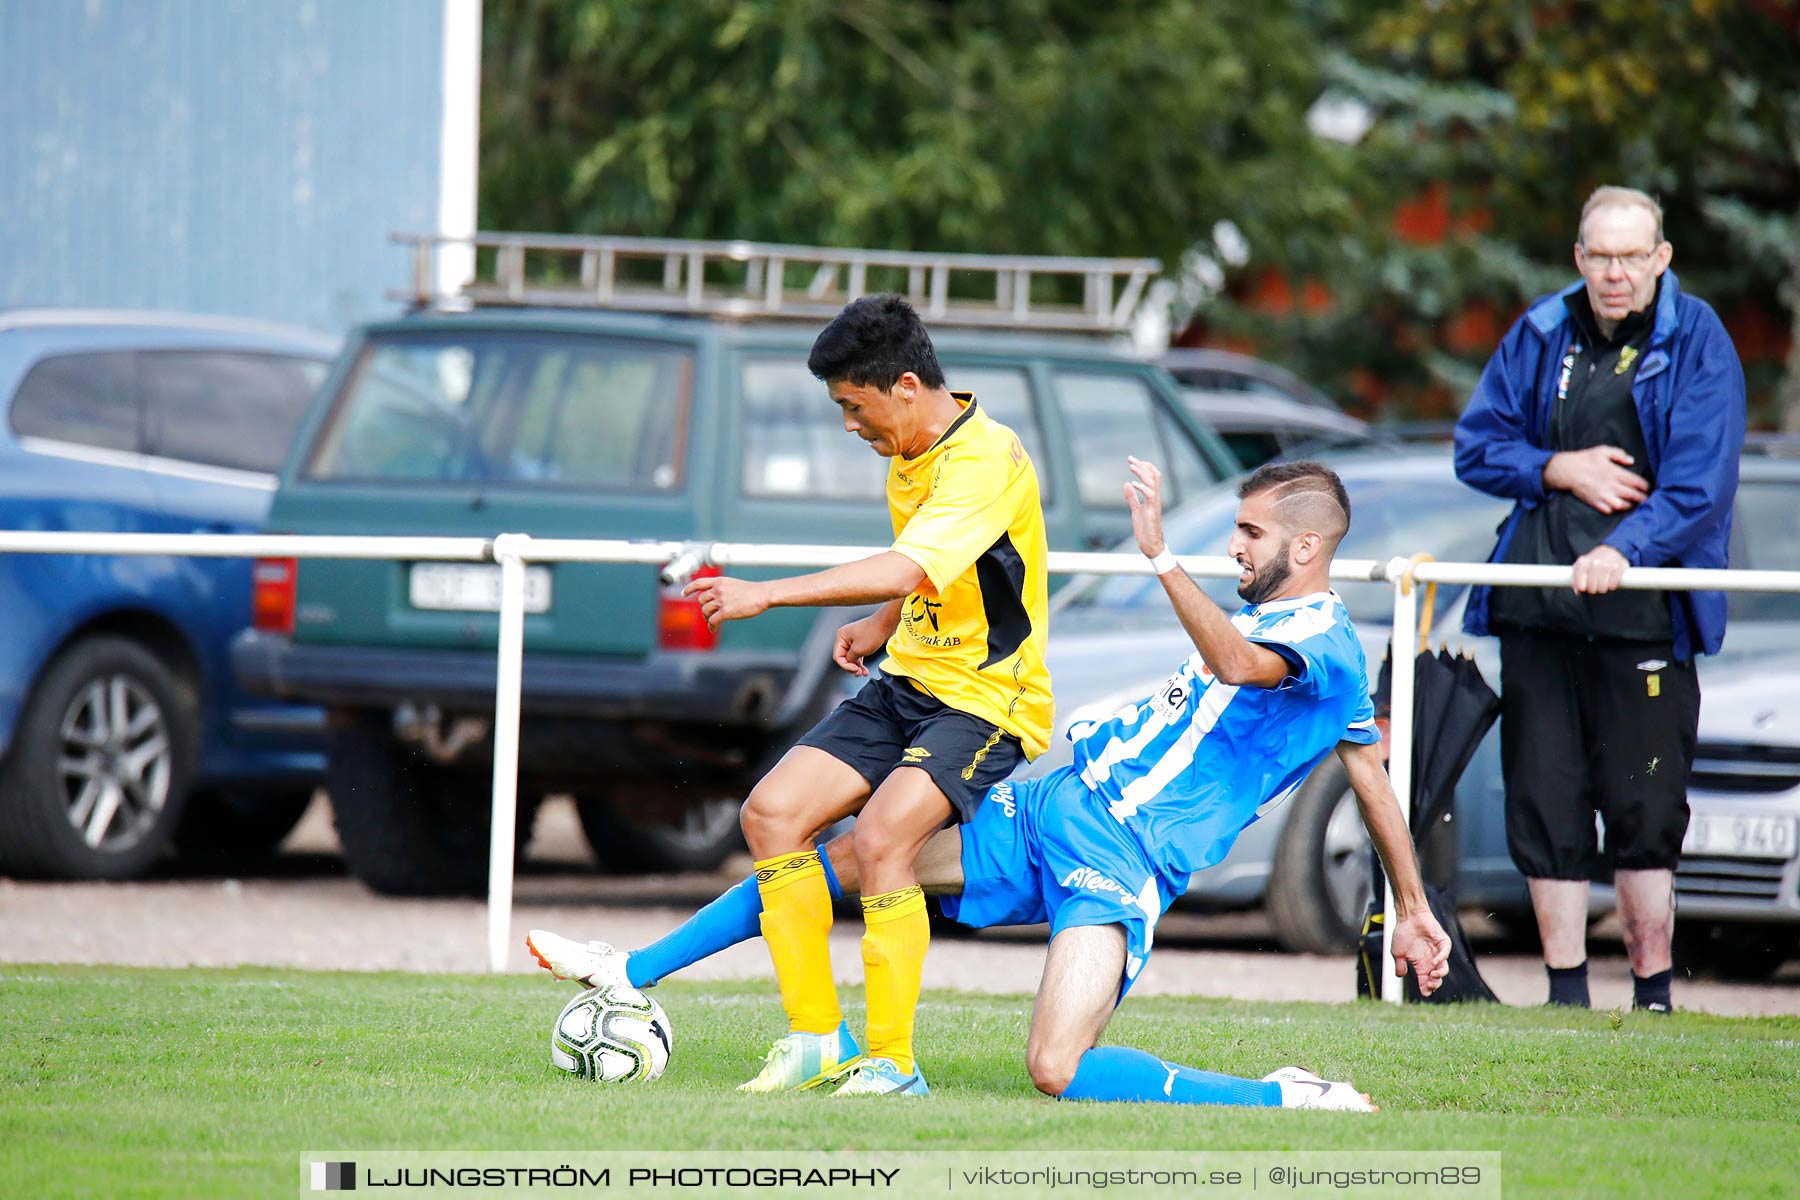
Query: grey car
x=1260, y=410
x=1738, y=886
x=1258, y=428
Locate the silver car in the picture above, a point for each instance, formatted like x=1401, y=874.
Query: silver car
x=1738, y=887
x=1258, y=409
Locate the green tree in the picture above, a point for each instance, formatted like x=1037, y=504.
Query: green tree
x=1142, y=126
x=1524, y=106
x=1038, y=126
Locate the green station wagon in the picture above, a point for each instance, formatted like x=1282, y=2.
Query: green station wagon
x=564, y=413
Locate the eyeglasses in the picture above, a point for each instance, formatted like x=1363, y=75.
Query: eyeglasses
x=1637, y=260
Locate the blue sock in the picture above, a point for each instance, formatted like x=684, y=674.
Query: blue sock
x=730, y=919
x=1121, y=1073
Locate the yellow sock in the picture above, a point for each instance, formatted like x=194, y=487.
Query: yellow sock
x=796, y=922
x=893, y=947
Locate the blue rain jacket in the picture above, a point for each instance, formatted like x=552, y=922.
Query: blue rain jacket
x=1689, y=393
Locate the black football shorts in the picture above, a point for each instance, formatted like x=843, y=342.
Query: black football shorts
x=892, y=723
x=1591, y=727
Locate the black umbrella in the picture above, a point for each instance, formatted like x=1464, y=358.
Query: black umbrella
x=1453, y=709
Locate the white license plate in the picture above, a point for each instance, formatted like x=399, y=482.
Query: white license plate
x=1740, y=835
x=472, y=587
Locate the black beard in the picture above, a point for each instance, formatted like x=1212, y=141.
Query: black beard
x=1266, y=582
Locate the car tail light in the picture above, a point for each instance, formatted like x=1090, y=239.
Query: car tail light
x=272, y=594
x=679, y=625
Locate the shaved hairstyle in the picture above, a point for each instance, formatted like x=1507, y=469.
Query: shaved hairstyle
x=1308, y=496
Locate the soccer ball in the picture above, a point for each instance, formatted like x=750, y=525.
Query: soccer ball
x=613, y=1035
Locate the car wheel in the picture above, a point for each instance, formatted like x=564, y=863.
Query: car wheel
x=408, y=826
x=1319, y=885
x=1517, y=925
x=1738, y=950
x=224, y=823
x=100, y=765
x=631, y=834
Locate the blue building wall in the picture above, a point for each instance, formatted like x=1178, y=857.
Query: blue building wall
x=247, y=157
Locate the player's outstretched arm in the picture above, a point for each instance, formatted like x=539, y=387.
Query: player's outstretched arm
x=1230, y=656
x=873, y=580
x=1419, y=941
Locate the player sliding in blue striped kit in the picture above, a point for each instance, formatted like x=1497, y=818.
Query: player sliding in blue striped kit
x=1160, y=789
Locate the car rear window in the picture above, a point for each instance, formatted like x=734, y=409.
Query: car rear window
x=225, y=408
x=1112, y=416
x=581, y=412
x=794, y=442
x=1251, y=448
x=86, y=399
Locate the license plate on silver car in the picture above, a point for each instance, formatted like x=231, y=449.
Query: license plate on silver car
x=472, y=587
x=1740, y=835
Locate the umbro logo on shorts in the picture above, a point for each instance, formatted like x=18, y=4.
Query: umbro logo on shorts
x=912, y=756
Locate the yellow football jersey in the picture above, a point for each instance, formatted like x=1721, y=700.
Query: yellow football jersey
x=967, y=512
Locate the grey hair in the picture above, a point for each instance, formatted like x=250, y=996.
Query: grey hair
x=1620, y=197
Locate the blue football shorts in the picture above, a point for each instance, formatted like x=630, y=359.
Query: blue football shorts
x=1046, y=850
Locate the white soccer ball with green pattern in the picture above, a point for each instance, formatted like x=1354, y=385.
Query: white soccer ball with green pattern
x=612, y=1035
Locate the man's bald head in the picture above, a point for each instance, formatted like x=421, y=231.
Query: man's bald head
x=1308, y=497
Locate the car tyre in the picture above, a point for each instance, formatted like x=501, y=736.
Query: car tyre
x=1517, y=926
x=232, y=823
x=408, y=826
x=1319, y=884
x=102, y=758
x=629, y=837
x=1744, y=951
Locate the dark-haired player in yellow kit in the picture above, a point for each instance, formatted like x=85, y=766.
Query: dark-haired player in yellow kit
x=963, y=696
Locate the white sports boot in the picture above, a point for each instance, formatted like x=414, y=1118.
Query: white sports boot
x=591, y=964
x=1300, y=1088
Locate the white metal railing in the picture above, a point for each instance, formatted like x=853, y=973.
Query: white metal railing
x=512, y=551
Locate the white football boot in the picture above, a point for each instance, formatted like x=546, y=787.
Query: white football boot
x=591, y=964
x=1300, y=1088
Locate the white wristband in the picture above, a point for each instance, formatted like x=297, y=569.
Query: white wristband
x=1164, y=562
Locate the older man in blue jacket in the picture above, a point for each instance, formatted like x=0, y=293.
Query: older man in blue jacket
x=1613, y=414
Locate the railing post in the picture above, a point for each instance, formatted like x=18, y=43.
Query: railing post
x=509, y=549
x=1400, y=744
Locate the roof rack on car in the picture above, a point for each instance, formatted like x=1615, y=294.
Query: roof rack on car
x=767, y=280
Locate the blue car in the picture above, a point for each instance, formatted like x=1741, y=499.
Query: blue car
x=122, y=730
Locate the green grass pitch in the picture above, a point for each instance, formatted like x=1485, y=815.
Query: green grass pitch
x=211, y=1083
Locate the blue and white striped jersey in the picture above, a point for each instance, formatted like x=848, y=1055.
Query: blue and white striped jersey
x=1190, y=766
